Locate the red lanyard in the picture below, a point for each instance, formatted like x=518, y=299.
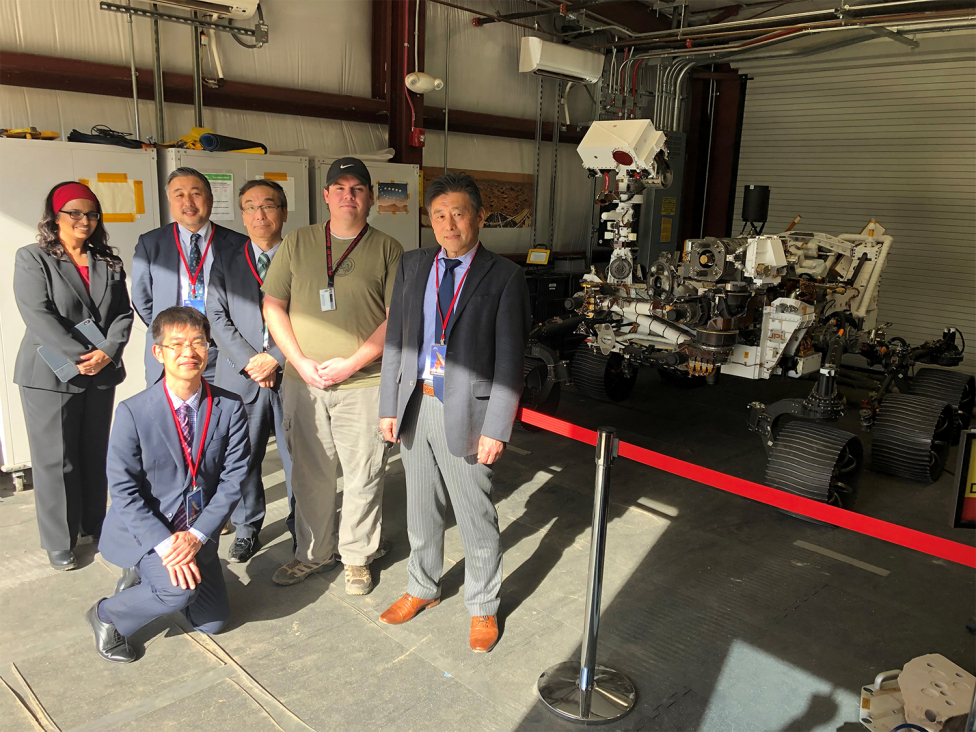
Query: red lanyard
x=437, y=287
x=328, y=249
x=194, y=276
x=250, y=264
x=192, y=466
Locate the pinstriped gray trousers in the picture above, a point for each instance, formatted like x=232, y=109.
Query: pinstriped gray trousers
x=434, y=474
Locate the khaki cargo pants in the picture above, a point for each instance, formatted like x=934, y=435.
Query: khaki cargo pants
x=323, y=430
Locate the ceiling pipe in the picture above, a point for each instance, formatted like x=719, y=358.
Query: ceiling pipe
x=766, y=23
x=722, y=53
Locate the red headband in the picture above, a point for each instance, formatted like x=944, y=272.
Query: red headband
x=72, y=192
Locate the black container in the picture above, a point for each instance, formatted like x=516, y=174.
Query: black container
x=755, y=204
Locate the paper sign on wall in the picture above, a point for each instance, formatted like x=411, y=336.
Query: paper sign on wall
x=287, y=183
x=222, y=185
x=121, y=199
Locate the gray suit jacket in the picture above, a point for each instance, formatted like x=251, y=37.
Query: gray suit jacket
x=147, y=474
x=156, y=278
x=488, y=333
x=234, y=309
x=52, y=299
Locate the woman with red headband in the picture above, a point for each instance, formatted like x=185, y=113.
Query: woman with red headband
x=70, y=290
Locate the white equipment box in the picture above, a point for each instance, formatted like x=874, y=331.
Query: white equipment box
x=125, y=182
x=227, y=172
x=396, y=210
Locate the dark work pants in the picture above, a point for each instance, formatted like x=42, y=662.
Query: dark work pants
x=264, y=415
x=207, y=607
x=68, y=437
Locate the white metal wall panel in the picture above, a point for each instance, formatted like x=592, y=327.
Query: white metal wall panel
x=878, y=131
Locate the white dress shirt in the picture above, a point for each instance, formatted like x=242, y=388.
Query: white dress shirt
x=208, y=259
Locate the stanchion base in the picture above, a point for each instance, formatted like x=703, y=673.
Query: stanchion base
x=612, y=697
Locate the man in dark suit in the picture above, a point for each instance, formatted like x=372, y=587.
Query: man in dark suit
x=451, y=381
x=172, y=264
x=177, y=457
x=250, y=362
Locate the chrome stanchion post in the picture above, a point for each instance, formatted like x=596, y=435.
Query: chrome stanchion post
x=586, y=692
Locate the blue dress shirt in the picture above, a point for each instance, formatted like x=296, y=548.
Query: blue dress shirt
x=432, y=320
x=193, y=403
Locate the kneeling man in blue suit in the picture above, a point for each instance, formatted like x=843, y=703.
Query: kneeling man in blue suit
x=176, y=459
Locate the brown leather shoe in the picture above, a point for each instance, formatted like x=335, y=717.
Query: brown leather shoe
x=406, y=608
x=484, y=633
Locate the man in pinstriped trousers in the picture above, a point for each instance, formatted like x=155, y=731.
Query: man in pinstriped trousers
x=451, y=381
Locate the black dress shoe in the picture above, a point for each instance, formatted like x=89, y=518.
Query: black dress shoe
x=243, y=549
x=128, y=579
x=109, y=643
x=62, y=560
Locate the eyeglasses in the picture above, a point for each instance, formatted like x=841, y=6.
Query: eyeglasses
x=77, y=215
x=199, y=345
x=267, y=208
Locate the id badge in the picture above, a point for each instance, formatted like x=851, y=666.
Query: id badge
x=327, y=299
x=437, y=359
x=194, y=506
x=198, y=304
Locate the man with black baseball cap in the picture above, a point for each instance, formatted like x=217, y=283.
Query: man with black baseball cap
x=327, y=295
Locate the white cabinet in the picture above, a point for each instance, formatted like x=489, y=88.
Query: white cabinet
x=126, y=183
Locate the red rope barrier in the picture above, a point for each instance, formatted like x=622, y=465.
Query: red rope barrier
x=910, y=538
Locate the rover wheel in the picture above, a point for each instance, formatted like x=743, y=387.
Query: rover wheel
x=911, y=437
x=602, y=377
x=817, y=462
x=959, y=390
x=535, y=396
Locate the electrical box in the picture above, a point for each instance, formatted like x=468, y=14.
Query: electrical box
x=660, y=214
x=125, y=182
x=396, y=205
x=227, y=172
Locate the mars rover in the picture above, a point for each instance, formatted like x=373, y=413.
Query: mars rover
x=756, y=306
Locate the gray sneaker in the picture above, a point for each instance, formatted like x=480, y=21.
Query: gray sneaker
x=296, y=571
x=359, y=581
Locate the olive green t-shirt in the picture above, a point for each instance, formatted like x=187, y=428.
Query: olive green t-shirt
x=363, y=289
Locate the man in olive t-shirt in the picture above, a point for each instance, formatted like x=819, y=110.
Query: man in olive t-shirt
x=327, y=294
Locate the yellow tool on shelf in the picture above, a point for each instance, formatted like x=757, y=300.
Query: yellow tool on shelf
x=29, y=133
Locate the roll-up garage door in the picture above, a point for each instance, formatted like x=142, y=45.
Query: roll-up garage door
x=881, y=131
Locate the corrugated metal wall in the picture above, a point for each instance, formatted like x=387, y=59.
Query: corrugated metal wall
x=885, y=132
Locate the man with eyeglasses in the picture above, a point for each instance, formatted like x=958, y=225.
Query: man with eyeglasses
x=326, y=299
x=172, y=264
x=176, y=460
x=251, y=363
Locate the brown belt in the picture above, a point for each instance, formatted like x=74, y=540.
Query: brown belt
x=428, y=389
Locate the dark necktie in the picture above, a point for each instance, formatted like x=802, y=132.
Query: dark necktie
x=186, y=427
x=445, y=293
x=196, y=290
x=264, y=261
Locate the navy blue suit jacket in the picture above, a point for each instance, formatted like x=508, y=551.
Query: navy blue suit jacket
x=147, y=473
x=156, y=278
x=236, y=322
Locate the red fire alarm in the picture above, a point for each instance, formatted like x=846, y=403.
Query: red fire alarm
x=418, y=136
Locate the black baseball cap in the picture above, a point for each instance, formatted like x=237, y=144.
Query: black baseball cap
x=349, y=166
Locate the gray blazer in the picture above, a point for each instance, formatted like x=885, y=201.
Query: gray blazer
x=234, y=309
x=156, y=279
x=488, y=333
x=52, y=299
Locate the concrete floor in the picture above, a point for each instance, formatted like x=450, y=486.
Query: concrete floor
x=710, y=606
